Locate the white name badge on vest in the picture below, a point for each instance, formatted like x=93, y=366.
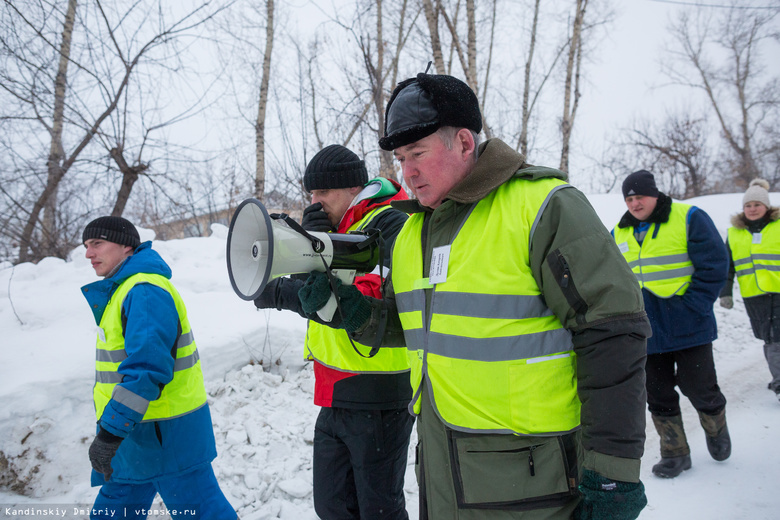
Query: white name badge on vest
x=756, y=238
x=623, y=247
x=101, y=334
x=440, y=260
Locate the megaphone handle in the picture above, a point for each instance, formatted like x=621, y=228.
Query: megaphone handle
x=327, y=312
x=347, y=276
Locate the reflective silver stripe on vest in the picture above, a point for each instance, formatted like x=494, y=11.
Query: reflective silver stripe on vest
x=496, y=306
x=752, y=270
x=130, y=399
x=766, y=256
x=186, y=362
x=185, y=340
x=113, y=377
x=117, y=356
x=108, y=377
x=111, y=356
x=743, y=261
x=508, y=348
x=663, y=260
x=411, y=301
x=665, y=275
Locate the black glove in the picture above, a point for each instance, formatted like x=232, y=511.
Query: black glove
x=102, y=450
x=605, y=498
x=269, y=298
x=282, y=294
x=314, y=219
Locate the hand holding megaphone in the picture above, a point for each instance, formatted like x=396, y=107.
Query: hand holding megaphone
x=262, y=247
x=320, y=290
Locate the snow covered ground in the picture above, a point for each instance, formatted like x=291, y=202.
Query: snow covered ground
x=260, y=392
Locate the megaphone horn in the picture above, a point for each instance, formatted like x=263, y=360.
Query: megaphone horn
x=261, y=248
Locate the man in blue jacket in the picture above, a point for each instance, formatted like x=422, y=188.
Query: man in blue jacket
x=681, y=263
x=154, y=432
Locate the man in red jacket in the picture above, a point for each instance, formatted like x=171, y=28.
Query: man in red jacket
x=361, y=437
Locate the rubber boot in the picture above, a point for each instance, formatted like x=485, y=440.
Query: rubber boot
x=717, y=432
x=675, y=453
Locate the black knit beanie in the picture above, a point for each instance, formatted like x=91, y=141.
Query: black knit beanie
x=113, y=229
x=641, y=182
x=334, y=167
x=420, y=106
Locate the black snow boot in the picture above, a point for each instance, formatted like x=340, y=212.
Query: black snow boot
x=670, y=467
x=717, y=432
x=675, y=453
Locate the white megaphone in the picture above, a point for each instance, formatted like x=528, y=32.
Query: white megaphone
x=261, y=247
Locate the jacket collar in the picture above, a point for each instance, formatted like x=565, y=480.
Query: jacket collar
x=740, y=221
x=390, y=191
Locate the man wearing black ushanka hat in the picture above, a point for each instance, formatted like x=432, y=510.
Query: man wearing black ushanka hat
x=524, y=326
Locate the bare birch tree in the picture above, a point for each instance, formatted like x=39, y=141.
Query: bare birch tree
x=72, y=111
x=571, y=88
x=432, y=18
x=263, y=101
x=678, y=151
x=465, y=49
x=380, y=31
x=742, y=96
x=522, y=141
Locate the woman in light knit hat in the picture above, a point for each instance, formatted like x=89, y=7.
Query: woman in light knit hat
x=754, y=253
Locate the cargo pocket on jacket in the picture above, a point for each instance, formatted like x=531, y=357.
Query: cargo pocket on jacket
x=507, y=472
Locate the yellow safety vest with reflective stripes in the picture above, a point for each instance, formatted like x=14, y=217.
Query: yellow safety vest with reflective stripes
x=184, y=394
x=661, y=264
x=332, y=347
x=494, y=356
x=756, y=259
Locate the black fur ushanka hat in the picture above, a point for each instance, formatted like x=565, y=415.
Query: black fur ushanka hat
x=420, y=106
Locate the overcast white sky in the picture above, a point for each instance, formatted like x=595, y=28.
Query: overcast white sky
x=625, y=82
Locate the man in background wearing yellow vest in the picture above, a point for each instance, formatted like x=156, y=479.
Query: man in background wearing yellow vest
x=681, y=263
x=524, y=326
x=154, y=432
x=361, y=438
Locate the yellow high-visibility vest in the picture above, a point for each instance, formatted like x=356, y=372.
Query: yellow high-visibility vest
x=756, y=259
x=494, y=356
x=332, y=347
x=661, y=264
x=184, y=394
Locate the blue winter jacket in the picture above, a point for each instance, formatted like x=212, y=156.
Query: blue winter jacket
x=687, y=321
x=164, y=448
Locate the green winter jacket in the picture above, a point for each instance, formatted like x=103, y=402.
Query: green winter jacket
x=584, y=280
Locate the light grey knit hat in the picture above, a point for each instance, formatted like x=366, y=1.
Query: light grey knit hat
x=758, y=191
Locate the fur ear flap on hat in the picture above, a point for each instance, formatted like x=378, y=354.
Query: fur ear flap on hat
x=758, y=191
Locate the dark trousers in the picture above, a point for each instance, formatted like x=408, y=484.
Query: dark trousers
x=693, y=371
x=359, y=463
